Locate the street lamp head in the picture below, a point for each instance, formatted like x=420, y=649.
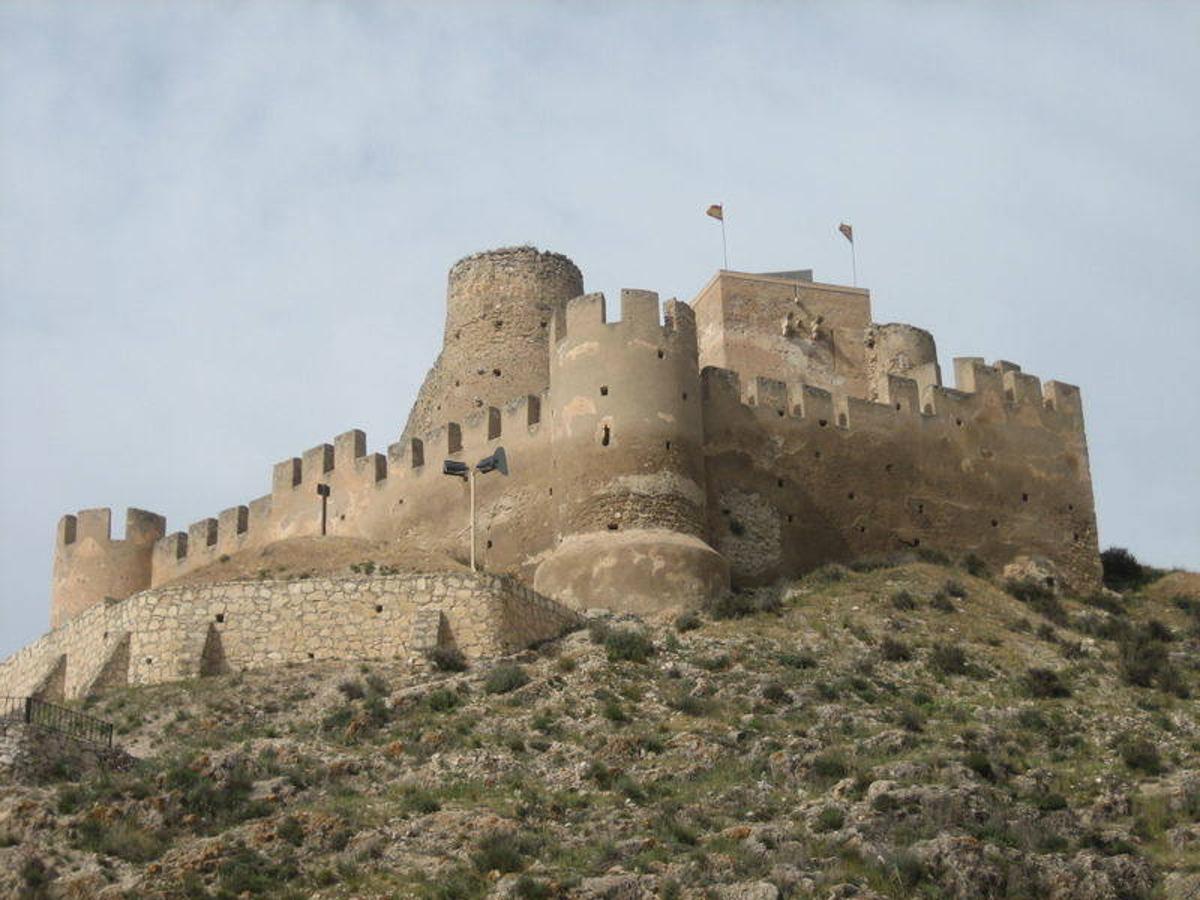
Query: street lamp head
x=456, y=468
x=497, y=462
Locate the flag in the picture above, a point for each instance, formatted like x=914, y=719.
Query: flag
x=716, y=211
x=847, y=232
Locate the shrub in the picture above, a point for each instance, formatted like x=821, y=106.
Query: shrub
x=718, y=663
x=248, y=872
x=739, y=604
x=911, y=719
x=830, y=819
x=1046, y=632
x=122, y=839
x=528, y=888
x=1122, y=571
x=414, y=799
x=352, y=689
x=503, y=679
x=831, y=572
x=1100, y=600
x=1037, y=597
x=1141, y=755
x=447, y=659
x=689, y=704
x=1045, y=683
x=942, y=603
x=442, y=700
x=979, y=763
x=289, y=829
x=613, y=711
x=501, y=851
x=1142, y=658
x=598, y=631
x=688, y=621
x=1157, y=631
x=874, y=563
x=948, y=659
x=894, y=651
x=774, y=692
x=929, y=555
x=800, y=659
x=830, y=767
x=34, y=876
x=628, y=645
x=974, y=565
x=955, y=588
x=903, y=600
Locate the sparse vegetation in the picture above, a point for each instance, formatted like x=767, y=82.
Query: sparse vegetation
x=503, y=679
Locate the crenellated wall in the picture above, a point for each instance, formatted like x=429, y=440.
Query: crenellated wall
x=997, y=467
x=767, y=428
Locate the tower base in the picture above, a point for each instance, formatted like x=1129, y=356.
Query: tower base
x=638, y=571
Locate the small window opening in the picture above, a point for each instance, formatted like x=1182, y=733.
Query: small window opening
x=779, y=482
x=149, y=660
x=1024, y=498
x=378, y=608
x=1075, y=536
x=791, y=518
x=850, y=496
x=221, y=617
x=685, y=395
x=661, y=354
x=916, y=542
x=496, y=372
x=781, y=413
x=816, y=454
x=106, y=635
x=613, y=526
x=1071, y=507
x=958, y=422
x=542, y=324
x=457, y=383
x=551, y=492
x=604, y=390
x=888, y=467
x=606, y=437
x=489, y=545
x=312, y=655
x=897, y=407
x=499, y=323
x=822, y=422
x=995, y=522
x=668, y=445
x=920, y=507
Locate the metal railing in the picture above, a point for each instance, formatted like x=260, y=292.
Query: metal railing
x=59, y=719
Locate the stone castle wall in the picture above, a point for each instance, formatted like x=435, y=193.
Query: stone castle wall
x=184, y=632
x=819, y=435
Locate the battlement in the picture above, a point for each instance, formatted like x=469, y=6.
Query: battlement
x=983, y=392
x=585, y=318
x=141, y=527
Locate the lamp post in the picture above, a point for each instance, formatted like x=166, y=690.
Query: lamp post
x=497, y=462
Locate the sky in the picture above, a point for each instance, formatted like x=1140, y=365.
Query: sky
x=225, y=227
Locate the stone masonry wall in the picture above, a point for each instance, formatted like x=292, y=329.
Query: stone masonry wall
x=183, y=632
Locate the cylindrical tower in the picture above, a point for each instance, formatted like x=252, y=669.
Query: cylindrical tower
x=498, y=309
x=895, y=348
x=89, y=565
x=628, y=460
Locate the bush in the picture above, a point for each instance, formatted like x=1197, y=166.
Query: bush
x=942, y=603
x=289, y=829
x=739, y=604
x=894, y=651
x=1110, y=604
x=248, y=872
x=688, y=621
x=628, y=645
x=689, y=704
x=1045, y=683
x=122, y=839
x=974, y=565
x=1141, y=755
x=774, y=692
x=447, y=659
x=1142, y=658
x=830, y=767
x=831, y=572
x=1122, y=571
x=955, y=588
x=936, y=557
x=800, y=659
x=1037, y=597
x=911, y=719
x=830, y=819
x=34, y=876
x=352, y=689
x=948, y=659
x=501, y=851
x=503, y=679
x=442, y=700
x=417, y=800
x=979, y=763
x=903, y=600
x=598, y=631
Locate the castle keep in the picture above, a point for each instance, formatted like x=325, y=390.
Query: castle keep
x=660, y=453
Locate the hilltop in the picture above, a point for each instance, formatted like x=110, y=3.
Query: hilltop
x=902, y=728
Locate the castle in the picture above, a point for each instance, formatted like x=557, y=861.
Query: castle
x=660, y=454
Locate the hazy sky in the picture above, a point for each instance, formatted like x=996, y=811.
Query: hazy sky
x=225, y=227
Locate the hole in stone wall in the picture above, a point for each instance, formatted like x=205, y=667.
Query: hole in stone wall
x=822, y=422
x=661, y=354
x=920, y=507
x=604, y=390
x=668, y=445
x=862, y=529
x=779, y=482
x=781, y=413
x=496, y=372
x=995, y=522
x=613, y=526
x=816, y=454
x=489, y=545
x=457, y=383
x=106, y=635
x=1024, y=498
x=850, y=496
x=685, y=395
x=888, y=467
x=499, y=323
x=605, y=437
x=551, y=492
x=378, y=608
x=542, y=324
x=312, y=655
x=1009, y=395
x=897, y=406
x=149, y=660
x=958, y=422
x=1071, y=507
x=791, y=518
x=221, y=617
x=1075, y=536
x=916, y=542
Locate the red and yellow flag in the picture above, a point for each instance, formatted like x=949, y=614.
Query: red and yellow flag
x=716, y=211
x=847, y=232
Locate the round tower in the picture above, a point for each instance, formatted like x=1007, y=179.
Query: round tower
x=495, y=347
x=896, y=348
x=89, y=565
x=627, y=459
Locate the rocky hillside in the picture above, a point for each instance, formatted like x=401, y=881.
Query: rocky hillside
x=902, y=729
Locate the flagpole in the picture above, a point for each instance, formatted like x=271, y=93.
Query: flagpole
x=724, y=246
x=853, y=267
